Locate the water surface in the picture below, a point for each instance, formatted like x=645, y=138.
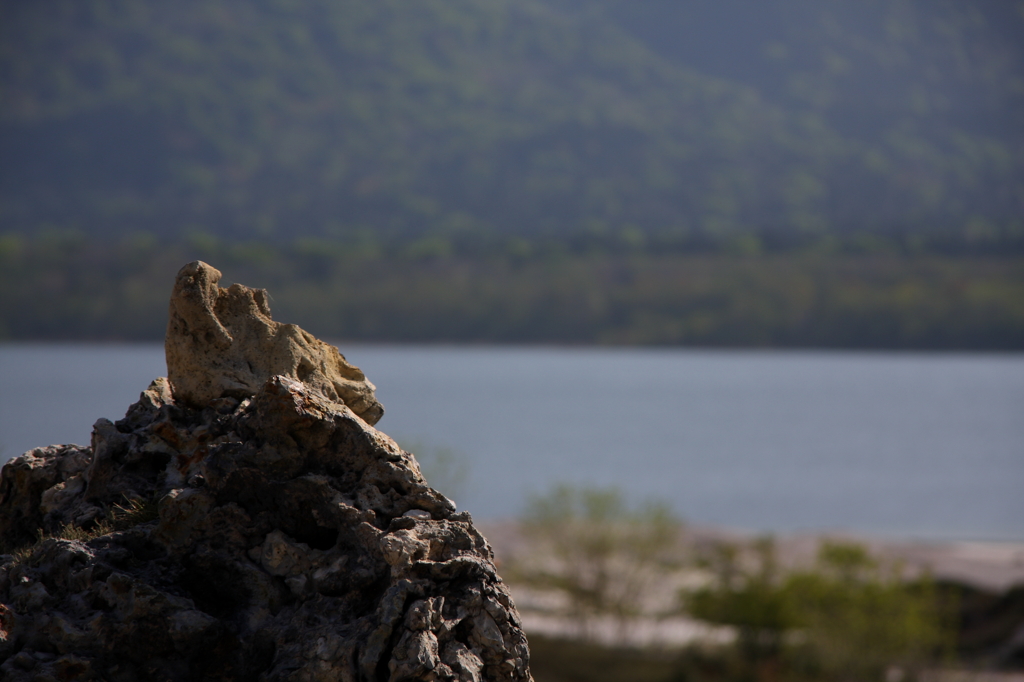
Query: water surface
x=906, y=444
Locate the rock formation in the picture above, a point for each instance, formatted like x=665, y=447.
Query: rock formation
x=222, y=342
x=244, y=521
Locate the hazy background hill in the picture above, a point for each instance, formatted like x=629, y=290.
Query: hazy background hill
x=304, y=141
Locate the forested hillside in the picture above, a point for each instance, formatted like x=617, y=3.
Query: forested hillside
x=715, y=172
x=673, y=123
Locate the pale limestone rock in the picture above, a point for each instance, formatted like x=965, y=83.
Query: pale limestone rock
x=223, y=342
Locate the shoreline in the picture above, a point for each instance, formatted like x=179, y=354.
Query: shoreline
x=989, y=565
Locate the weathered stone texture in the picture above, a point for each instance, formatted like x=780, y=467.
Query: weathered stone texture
x=223, y=342
x=31, y=483
x=293, y=542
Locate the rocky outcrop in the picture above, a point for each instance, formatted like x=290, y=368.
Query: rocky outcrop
x=222, y=342
x=27, y=478
x=228, y=536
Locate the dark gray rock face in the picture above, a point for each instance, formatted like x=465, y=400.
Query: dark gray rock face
x=293, y=541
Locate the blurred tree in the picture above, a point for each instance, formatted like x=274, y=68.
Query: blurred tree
x=751, y=600
x=599, y=552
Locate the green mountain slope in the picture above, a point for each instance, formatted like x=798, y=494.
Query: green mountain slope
x=931, y=91
x=466, y=118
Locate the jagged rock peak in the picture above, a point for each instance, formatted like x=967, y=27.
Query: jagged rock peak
x=236, y=531
x=286, y=540
x=223, y=342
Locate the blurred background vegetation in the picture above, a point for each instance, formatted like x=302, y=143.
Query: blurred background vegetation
x=780, y=173
x=846, y=615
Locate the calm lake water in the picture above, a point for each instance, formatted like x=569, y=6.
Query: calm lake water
x=901, y=444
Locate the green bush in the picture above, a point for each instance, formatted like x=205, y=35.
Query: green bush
x=847, y=618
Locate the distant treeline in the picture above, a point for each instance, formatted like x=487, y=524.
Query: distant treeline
x=67, y=287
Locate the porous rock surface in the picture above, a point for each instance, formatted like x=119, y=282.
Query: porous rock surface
x=223, y=342
x=293, y=542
